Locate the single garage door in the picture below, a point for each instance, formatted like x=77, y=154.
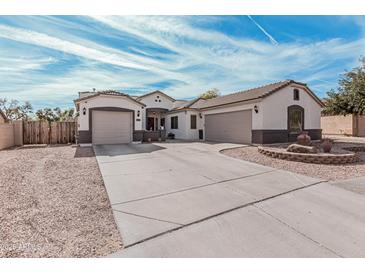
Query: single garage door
x=230, y=127
x=111, y=127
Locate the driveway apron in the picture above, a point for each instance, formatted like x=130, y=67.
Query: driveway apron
x=161, y=187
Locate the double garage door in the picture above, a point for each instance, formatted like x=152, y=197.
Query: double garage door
x=111, y=127
x=230, y=127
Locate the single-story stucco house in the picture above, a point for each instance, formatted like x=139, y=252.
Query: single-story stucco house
x=272, y=113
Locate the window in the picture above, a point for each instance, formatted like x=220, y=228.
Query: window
x=174, y=122
x=162, y=122
x=295, y=119
x=192, y=121
x=296, y=94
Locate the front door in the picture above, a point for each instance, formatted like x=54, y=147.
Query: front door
x=295, y=121
x=162, y=123
x=150, y=123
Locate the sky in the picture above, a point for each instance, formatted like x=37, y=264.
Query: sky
x=47, y=60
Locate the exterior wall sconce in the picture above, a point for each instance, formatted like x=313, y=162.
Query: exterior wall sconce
x=138, y=113
x=200, y=116
x=256, y=109
x=84, y=111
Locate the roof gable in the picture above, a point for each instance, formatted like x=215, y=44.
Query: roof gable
x=108, y=93
x=309, y=91
x=155, y=92
x=252, y=94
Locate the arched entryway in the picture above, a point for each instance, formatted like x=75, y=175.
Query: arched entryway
x=155, y=118
x=295, y=121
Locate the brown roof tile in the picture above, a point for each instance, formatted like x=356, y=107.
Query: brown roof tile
x=156, y=91
x=107, y=92
x=250, y=94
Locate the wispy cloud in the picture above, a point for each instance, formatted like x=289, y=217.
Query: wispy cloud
x=272, y=40
x=138, y=53
x=43, y=40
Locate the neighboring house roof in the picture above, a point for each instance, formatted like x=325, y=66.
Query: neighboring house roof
x=86, y=93
x=251, y=94
x=2, y=114
x=156, y=91
x=106, y=92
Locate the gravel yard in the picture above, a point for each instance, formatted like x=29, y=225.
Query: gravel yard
x=54, y=204
x=327, y=172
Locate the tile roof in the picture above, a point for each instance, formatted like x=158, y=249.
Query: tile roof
x=106, y=92
x=156, y=91
x=187, y=104
x=250, y=94
x=200, y=103
x=178, y=104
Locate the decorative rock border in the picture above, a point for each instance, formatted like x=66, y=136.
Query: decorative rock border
x=320, y=158
x=355, y=149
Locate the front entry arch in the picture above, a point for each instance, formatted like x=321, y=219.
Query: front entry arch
x=295, y=121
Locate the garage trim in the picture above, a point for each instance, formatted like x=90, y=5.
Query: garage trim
x=245, y=137
x=86, y=135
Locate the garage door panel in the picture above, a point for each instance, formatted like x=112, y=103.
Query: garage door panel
x=234, y=127
x=111, y=127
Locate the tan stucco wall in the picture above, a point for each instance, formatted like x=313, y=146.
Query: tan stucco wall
x=338, y=124
x=361, y=126
x=6, y=135
x=11, y=134
x=18, y=133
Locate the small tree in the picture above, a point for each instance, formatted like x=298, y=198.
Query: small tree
x=65, y=115
x=14, y=110
x=209, y=94
x=45, y=114
x=55, y=115
x=350, y=96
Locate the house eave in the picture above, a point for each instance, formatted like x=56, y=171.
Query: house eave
x=108, y=95
x=248, y=101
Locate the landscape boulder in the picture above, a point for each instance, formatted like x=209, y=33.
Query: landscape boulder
x=301, y=149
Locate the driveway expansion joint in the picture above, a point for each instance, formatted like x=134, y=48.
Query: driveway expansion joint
x=146, y=217
x=139, y=173
x=194, y=187
x=297, y=231
x=227, y=211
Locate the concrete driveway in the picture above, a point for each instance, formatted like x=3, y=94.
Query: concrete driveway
x=188, y=200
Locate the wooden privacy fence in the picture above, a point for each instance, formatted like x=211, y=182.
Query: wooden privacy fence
x=43, y=132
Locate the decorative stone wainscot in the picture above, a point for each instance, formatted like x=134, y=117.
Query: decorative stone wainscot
x=319, y=158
